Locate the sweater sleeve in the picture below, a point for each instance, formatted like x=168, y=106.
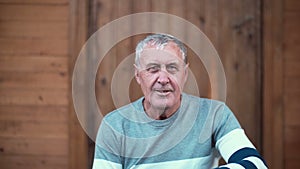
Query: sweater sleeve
x=233, y=144
x=239, y=152
x=107, y=149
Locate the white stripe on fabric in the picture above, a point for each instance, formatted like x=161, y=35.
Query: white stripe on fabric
x=257, y=162
x=102, y=164
x=233, y=166
x=195, y=163
x=232, y=142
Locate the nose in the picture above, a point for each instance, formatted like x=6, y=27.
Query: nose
x=163, y=78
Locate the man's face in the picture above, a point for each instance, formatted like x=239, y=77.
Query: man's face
x=161, y=74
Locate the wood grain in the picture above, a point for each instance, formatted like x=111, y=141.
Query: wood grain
x=17, y=12
x=78, y=29
x=33, y=146
x=19, y=96
x=34, y=29
x=273, y=128
x=33, y=161
x=41, y=114
x=12, y=46
x=11, y=80
x=34, y=64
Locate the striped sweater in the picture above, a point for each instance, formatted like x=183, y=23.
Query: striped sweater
x=195, y=137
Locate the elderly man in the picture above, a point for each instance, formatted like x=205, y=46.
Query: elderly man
x=168, y=128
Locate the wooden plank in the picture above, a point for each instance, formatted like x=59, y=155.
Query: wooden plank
x=241, y=59
x=292, y=5
x=41, y=114
x=291, y=27
x=292, y=114
x=292, y=84
x=58, y=97
x=249, y=69
x=292, y=142
x=177, y=7
x=34, y=29
x=292, y=163
x=109, y=62
x=122, y=51
x=273, y=84
x=33, y=161
x=34, y=146
x=104, y=11
x=291, y=36
x=160, y=24
x=159, y=6
x=34, y=64
x=17, y=12
x=212, y=22
x=292, y=69
x=139, y=6
x=47, y=2
x=33, y=46
x=195, y=14
x=10, y=80
x=125, y=47
x=291, y=51
x=20, y=129
x=211, y=15
x=292, y=108
x=78, y=31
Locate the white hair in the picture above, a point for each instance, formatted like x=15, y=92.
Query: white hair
x=160, y=41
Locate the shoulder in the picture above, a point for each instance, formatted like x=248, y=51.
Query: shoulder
x=122, y=114
x=204, y=103
x=209, y=109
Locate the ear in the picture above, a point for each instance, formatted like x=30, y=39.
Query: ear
x=136, y=74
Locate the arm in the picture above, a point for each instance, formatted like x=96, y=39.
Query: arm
x=107, y=154
x=239, y=152
x=104, y=164
x=233, y=144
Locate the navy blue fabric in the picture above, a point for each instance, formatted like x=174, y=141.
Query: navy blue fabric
x=247, y=164
x=243, y=153
x=222, y=168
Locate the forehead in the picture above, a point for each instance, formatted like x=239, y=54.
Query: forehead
x=167, y=53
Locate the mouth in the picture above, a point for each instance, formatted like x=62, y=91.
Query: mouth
x=163, y=92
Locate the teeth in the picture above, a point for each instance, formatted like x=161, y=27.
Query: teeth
x=163, y=91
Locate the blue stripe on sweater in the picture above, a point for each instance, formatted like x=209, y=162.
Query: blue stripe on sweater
x=247, y=164
x=243, y=153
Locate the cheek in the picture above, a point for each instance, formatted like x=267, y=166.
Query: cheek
x=147, y=81
x=178, y=81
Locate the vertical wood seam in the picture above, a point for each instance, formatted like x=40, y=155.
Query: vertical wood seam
x=77, y=37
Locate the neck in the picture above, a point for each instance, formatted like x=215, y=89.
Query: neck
x=159, y=113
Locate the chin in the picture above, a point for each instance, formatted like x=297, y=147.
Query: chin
x=162, y=104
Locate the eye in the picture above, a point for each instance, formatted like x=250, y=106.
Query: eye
x=172, y=68
x=153, y=69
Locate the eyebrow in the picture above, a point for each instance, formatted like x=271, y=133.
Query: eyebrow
x=152, y=64
x=171, y=62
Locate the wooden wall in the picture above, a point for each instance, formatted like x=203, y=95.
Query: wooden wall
x=258, y=42
x=281, y=83
x=34, y=101
x=291, y=83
